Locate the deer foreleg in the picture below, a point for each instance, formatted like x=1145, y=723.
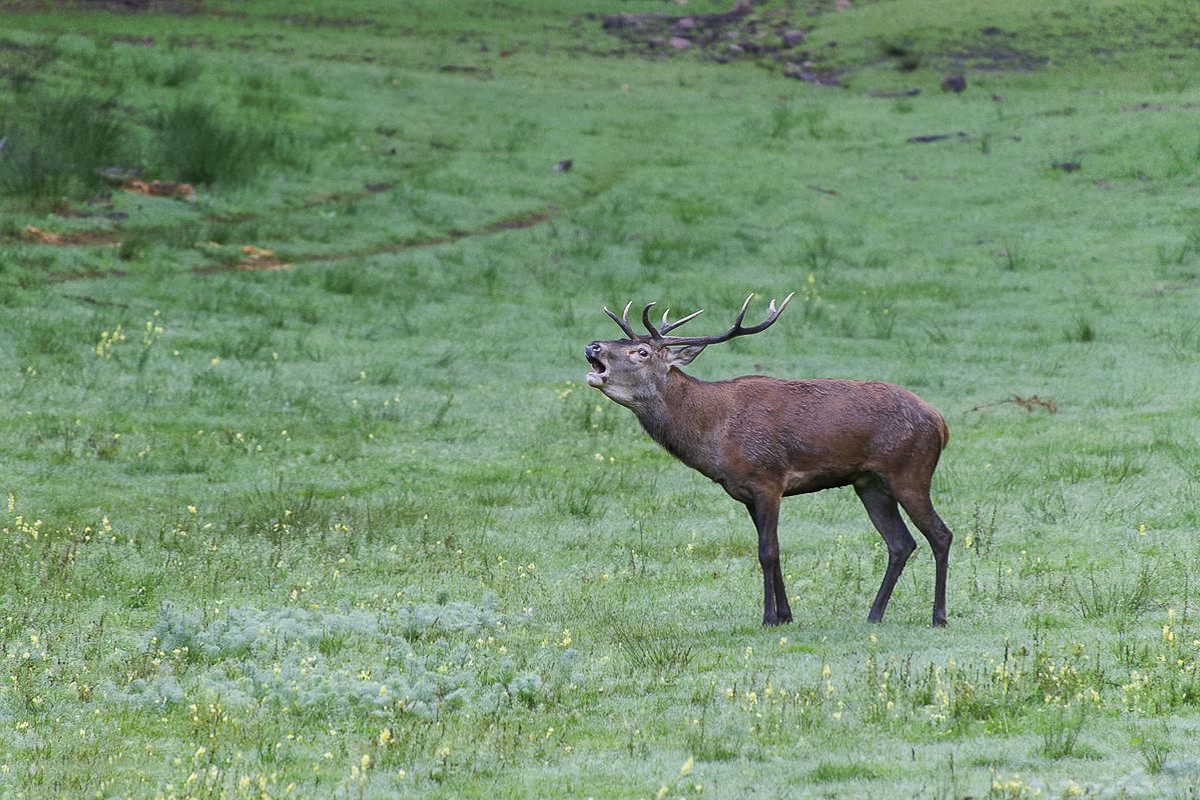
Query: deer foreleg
x=764, y=511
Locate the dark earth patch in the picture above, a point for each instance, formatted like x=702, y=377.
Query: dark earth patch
x=748, y=32
x=752, y=31
x=744, y=32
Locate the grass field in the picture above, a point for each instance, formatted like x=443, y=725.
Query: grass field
x=305, y=495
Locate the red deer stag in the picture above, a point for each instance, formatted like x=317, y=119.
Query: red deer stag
x=764, y=439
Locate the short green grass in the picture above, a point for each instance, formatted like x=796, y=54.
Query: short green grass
x=342, y=519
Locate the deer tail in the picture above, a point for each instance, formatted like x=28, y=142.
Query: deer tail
x=945, y=431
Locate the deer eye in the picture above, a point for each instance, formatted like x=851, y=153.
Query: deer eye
x=643, y=352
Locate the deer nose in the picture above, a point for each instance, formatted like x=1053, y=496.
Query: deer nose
x=592, y=350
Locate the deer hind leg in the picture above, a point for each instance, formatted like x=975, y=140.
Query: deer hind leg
x=764, y=510
x=920, y=510
x=885, y=515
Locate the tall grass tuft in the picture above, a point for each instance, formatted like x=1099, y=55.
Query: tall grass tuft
x=198, y=144
x=57, y=151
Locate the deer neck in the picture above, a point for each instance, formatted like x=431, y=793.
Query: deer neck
x=685, y=417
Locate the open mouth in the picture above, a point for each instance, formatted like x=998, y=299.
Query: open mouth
x=599, y=372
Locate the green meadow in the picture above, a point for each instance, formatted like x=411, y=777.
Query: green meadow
x=304, y=494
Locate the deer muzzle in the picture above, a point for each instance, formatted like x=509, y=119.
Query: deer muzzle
x=599, y=374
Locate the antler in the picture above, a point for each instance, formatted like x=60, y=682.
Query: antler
x=659, y=334
x=623, y=321
x=773, y=313
x=654, y=333
x=665, y=326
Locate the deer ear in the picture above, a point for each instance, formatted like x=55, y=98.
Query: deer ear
x=682, y=356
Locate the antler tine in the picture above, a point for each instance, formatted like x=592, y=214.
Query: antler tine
x=773, y=313
x=654, y=332
x=623, y=320
x=737, y=323
x=670, y=326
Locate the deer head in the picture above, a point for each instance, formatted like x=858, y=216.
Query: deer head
x=631, y=371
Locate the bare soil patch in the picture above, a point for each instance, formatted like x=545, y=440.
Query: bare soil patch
x=182, y=8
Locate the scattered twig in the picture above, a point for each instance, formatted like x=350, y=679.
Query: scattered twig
x=936, y=137
x=483, y=73
x=905, y=93
x=802, y=73
x=1028, y=403
x=1159, y=107
x=174, y=189
x=1171, y=287
x=91, y=301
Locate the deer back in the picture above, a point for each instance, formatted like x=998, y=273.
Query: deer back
x=758, y=433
